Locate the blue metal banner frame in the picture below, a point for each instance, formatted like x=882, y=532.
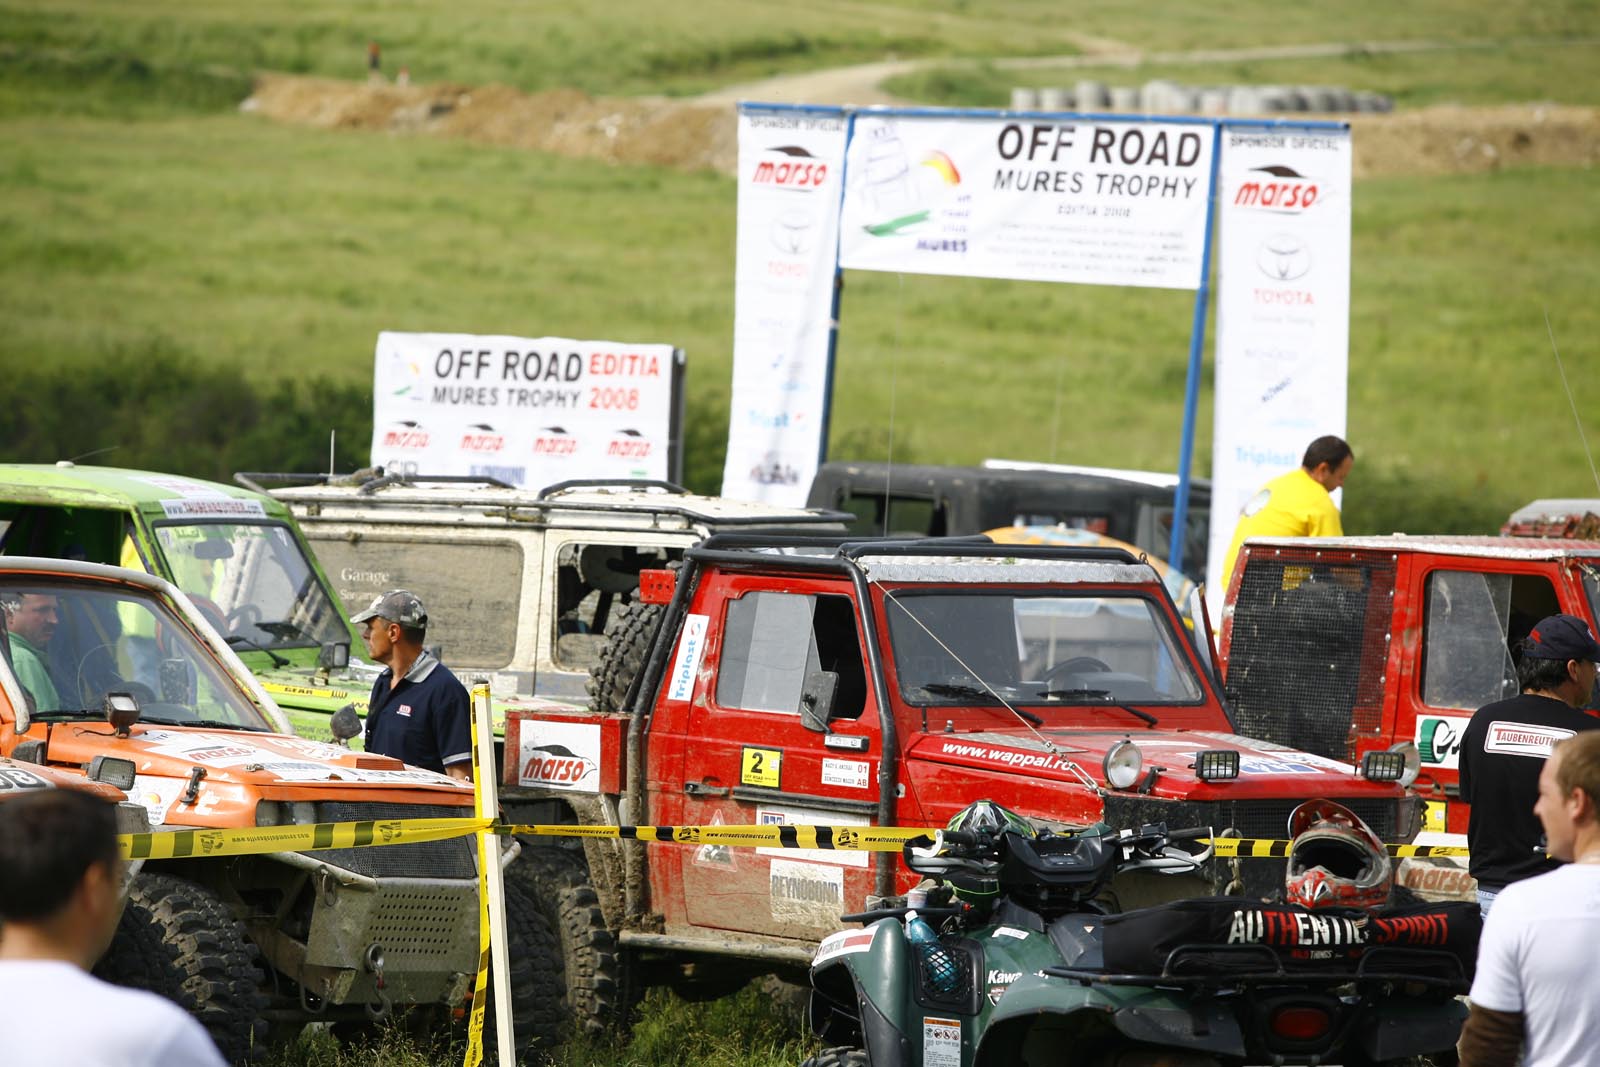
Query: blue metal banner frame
x=1197, y=330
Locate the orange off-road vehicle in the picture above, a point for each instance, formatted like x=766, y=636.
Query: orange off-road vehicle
x=113, y=676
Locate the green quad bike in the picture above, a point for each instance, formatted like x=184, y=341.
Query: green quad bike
x=1032, y=965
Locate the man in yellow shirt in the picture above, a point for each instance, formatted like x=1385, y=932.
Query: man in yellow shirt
x=1297, y=504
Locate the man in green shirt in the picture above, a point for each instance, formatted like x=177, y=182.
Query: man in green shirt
x=31, y=618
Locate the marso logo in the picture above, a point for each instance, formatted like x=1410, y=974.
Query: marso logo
x=405, y=434
x=797, y=169
x=1279, y=189
x=481, y=437
x=554, y=441
x=557, y=765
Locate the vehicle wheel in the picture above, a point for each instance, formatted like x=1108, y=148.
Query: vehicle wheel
x=839, y=1057
x=557, y=882
x=176, y=939
x=538, y=1017
x=624, y=654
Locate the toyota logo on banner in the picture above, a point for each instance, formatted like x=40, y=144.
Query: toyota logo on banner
x=1283, y=257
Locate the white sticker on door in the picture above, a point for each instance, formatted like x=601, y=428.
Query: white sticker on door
x=849, y=773
x=691, y=646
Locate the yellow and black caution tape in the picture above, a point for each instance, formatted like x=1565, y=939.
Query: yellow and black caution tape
x=180, y=844
x=1261, y=847
x=254, y=840
x=768, y=835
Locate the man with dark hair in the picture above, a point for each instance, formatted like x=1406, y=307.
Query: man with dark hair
x=1535, y=994
x=419, y=712
x=1296, y=504
x=1505, y=745
x=60, y=900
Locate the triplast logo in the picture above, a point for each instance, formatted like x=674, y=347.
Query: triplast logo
x=799, y=170
x=1280, y=189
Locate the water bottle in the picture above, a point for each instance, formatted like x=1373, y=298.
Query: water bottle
x=943, y=973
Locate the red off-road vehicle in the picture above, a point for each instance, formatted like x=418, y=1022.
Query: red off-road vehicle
x=820, y=681
x=1342, y=646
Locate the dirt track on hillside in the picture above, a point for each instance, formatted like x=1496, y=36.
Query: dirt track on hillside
x=694, y=135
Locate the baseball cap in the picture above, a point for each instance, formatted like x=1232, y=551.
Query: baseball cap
x=1562, y=637
x=397, y=605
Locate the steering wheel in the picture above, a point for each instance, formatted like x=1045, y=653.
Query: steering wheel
x=240, y=617
x=1075, y=665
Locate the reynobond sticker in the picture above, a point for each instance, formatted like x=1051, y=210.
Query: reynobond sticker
x=807, y=893
x=941, y=1042
x=691, y=646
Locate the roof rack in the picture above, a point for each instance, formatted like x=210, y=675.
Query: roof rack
x=610, y=483
x=368, y=479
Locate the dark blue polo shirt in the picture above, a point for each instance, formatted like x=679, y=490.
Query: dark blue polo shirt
x=425, y=720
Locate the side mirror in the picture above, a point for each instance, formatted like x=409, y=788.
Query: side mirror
x=345, y=723
x=177, y=681
x=333, y=655
x=122, y=711
x=816, y=699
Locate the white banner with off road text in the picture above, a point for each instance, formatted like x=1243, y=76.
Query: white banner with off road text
x=1283, y=311
x=1097, y=203
x=528, y=411
x=789, y=172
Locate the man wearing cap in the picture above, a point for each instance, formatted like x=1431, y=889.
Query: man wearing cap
x=418, y=712
x=1504, y=747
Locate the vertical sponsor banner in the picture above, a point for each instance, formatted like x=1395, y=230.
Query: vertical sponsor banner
x=529, y=411
x=1283, y=311
x=790, y=164
x=1074, y=200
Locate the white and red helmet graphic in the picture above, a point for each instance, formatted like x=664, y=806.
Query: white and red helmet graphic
x=1335, y=860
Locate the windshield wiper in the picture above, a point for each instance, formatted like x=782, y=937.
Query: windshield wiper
x=1105, y=695
x=215, y=724
x=277, y=660
x=944, y=689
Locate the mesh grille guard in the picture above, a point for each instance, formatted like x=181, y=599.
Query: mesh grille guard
x=1310, y=640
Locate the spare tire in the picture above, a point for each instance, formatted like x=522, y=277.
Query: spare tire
x=623, y=657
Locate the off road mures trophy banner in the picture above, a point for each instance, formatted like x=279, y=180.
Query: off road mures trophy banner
x=1033, y=199
x=528, y=411
x=1283, y=310
x=790, y=166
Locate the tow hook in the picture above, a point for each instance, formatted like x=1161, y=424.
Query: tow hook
x=381, y=1006
x=1235, y=886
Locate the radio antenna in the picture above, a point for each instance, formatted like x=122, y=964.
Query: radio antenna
x=1570, y=400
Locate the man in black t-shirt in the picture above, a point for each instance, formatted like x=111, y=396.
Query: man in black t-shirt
x=419, y=712
x=1505, y=745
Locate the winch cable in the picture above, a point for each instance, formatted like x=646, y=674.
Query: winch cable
x=1061, y=757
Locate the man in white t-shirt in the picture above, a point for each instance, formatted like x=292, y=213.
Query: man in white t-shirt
x=1537, y=990
x=60, y=900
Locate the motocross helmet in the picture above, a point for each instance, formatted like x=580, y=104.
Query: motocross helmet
x=1335, y=860
x=980, y=882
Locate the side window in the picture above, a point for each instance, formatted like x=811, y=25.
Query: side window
x=1474, y=622
x=591, y=581
x=764, y=661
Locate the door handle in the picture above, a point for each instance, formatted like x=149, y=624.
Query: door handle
x=700, y=789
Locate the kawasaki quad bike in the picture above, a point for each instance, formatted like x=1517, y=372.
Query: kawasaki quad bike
x=1019, y=956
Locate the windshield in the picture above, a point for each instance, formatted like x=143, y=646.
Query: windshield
x=70, y=643
x=965, y=648
x=253, y=583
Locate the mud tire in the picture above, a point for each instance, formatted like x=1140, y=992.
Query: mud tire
x=539, y=1019
x=839, y=1057
x=556, y=881
x=177, y=940
x=624, y=655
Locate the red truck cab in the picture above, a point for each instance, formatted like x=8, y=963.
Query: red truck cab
x=892, y=683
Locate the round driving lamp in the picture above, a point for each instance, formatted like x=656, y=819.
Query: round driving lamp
x=1122, y=765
